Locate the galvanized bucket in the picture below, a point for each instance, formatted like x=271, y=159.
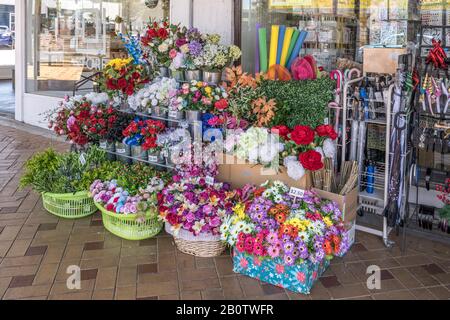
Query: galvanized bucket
x=190, y=75
x=123, y=149
x=138, y=154
x=108, y=147
x=212, y=77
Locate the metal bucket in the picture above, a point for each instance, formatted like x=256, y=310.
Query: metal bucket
x=212, y=77
x=178, y=75
x=160, y=112
x=190, y=75
x=138, y=154
x=122, y=148
x=108, y=147
x=164, y=72
x=194, y=117
x=175, y=115
x=155, y=157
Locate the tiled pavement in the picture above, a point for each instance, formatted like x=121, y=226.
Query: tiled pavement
x=36, y=248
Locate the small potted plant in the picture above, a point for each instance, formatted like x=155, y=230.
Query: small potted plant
x=133, y=138
x=150, y=133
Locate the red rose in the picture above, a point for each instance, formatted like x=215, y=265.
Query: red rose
x=325, y=130
x=151, y=33
x=162, y=33
x=311, y=160
x=282, y=131
x=111, y=84
x=135, y=75
x=303, y=135
x=130, y=90
x=122, y=83
x=221, y=104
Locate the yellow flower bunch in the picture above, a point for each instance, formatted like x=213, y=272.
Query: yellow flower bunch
x=328, y=221
x=301, y=225
x=239, y=210
x=118, y=63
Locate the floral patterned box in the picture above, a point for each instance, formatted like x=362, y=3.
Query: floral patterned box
x=298, y=278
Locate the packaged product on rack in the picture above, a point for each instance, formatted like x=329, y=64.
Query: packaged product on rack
x=282, y=239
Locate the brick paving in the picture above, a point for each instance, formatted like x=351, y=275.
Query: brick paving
x=36, y=248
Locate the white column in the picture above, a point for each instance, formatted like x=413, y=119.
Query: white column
x=20, y=64
x=215, y=16
x=181, y=12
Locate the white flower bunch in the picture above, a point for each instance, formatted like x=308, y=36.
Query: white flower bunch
x=329, y=148
x=231, y=227
x=258, y=145
x=294, y=168
x=155, y=94
x=275, y=191
x=97, y=98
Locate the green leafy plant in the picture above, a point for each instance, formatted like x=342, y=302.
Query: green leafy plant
x=299, y=102
x=137, y=176
x=53, y=172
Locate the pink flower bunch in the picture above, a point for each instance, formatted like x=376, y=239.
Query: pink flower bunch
x=252, y=244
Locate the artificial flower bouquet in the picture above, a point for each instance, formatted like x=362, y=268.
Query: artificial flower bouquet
x=215, y=56
x=283, y=240
x=192, y=49
x=193, y=209
x=122, y=78
x=143, y=133
x=156, y=94
x=132, y=216
x=200, y=96
x=78, y=118
x=159, y=42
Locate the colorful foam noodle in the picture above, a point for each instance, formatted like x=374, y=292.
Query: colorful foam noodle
x=273, y=45
x=262, y=37
x=297, y=48
x=281, y=32
x=286, y=45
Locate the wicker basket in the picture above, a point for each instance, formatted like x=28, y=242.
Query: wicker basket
x=126, y=226
x=69, y=205
x=205, y=247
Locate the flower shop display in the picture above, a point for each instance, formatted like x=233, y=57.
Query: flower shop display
x=60, y=180
x=283, y=240
x=193, y=209
x=121, y=78
x=192, y=49
x=128, y=215
x=444, y=212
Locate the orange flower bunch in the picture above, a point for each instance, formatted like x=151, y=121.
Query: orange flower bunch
x=332, y=246
x=287, y=229
x=264, y=111
x=236, y=77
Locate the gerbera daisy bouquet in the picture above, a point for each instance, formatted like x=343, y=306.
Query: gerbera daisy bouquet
x=275, y=225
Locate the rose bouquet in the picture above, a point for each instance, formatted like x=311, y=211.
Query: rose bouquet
x=272, y=225
x=159, y=42
x=156, y=94
x=102, y=120
x=195, y=206
x=122, y=77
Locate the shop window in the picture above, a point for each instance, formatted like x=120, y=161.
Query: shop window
x=68, y=40
x=336, y=28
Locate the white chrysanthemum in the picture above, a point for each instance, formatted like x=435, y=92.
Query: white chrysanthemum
x=295, y=170
x=329, y=148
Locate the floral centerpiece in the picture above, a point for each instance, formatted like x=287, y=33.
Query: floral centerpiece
x=122, y=78
x=159, y=42
x=282, y=240
x=193, y=210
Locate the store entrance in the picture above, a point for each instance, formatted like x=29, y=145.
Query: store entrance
x=7, y=57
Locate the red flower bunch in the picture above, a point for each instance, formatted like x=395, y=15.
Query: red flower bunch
x=123, y=77
x=100, y=121
x=302, y=135
x=143, y=132
x=311, y=160
x=150, y=133
x=221, y=104
x=282, y=131
x=325, y=130
x=444, y=192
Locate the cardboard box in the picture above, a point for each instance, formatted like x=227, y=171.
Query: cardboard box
x=348, y=204
x=238, y=173
x=381, y=60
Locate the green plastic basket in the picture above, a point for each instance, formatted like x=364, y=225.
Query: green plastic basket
x=126, y=226
x=69, y=205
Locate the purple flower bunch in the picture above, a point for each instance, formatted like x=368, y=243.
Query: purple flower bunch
x=194, y=205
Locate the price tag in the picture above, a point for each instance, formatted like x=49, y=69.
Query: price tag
x=120, y=150
x=296, y=192
x=209, y=180
x=103, y=145
x=152, y=158
x=82, y=159
x=379, y=96
x=173, y=114
x=326, y=121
